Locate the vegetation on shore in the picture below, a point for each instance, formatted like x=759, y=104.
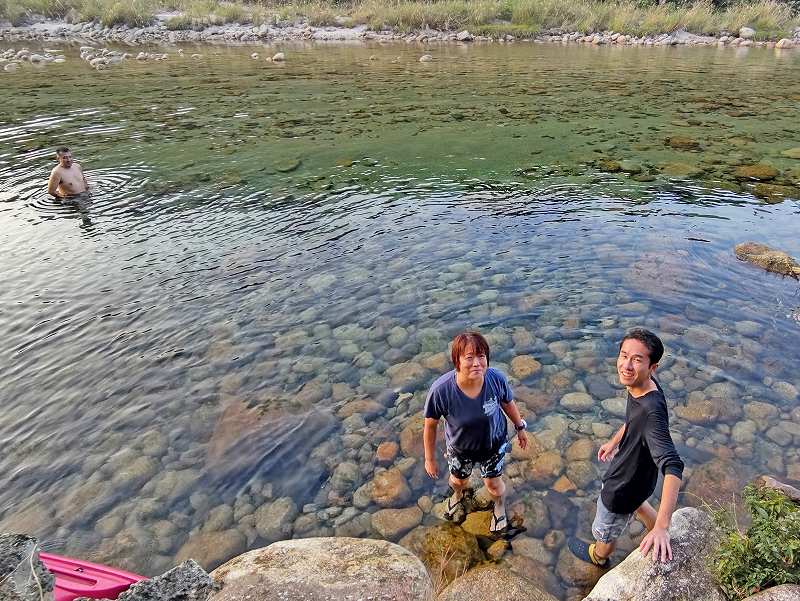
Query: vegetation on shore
x=771, y=19
x=765, y=554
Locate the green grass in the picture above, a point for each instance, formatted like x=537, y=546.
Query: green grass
x=770, y=18
x=765, y=554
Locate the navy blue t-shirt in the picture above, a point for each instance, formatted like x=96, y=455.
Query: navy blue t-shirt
x=474, y=428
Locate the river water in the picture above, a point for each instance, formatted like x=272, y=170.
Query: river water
x=205, y=357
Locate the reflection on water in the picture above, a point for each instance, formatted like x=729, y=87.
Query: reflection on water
x=274, y=260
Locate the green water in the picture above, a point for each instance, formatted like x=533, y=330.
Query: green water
x=269, y=242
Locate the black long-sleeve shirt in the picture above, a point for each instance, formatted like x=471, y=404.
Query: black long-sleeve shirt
x=645, y=449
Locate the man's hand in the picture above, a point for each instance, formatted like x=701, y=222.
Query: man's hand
x=607, y=451
x=658, y=538
x=523, y=439
x=432, y=468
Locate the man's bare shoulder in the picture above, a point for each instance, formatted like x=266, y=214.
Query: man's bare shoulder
x=57, y=170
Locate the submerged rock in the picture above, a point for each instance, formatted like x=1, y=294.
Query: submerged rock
x=320, y=569
x=491, y=583
x=22, y=574
x=767, y=258
x=682, y=143
x=686, y=576
x=209, y=549
x=759, y=172
x=447, y=550
x=775, y=193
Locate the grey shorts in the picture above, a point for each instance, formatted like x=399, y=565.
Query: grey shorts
x=609, y=526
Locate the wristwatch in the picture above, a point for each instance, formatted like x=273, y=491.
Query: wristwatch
x=522, y=426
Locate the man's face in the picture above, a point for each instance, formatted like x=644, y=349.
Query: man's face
x=633, y=364
x=65, y=159
x=472, y=364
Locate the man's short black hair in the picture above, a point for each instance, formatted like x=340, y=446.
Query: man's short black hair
x=653, y=343
x=61, y=150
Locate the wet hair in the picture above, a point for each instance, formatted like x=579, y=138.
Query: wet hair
x=468, y=340
x=653, y=343
x=62, y=150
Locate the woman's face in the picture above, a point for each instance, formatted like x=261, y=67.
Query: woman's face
x=472, y=365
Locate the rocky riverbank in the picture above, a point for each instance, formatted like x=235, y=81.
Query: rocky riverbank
x=299, y=31
x=442, y=563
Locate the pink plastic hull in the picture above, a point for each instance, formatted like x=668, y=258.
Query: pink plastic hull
x=76, y=578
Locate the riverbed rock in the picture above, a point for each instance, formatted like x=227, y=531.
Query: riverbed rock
x=390, y=489
x=682, y=143
x=493, y=583
x=577, y=401
x=210, y=549
x=18, y=552
x=187, y=582
x=425, y=58
x=447, y=550
x=575, y=572
x=791, y=153
x=767, y=258
x=278, y=57
x=322, y=569
x=545, y=468
x=274, y=520
x=368, y=409
x=33, y=520
x=785, y=44
x=391, y=524
x=759, y=172
x=694, y=538
x=717, y=482
x=524, y=366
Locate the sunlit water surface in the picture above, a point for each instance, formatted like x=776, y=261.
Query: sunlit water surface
x=268, y=242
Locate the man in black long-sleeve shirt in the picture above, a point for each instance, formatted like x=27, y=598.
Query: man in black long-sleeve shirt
x=638, y=451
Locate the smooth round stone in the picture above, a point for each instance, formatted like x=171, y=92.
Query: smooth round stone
x=779, y=436
x=786, y=390
x=748, y=328
x=615, y=406
x=577, y=401
x=744, y=432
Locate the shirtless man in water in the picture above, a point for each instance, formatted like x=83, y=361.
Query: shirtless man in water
x=67, y=178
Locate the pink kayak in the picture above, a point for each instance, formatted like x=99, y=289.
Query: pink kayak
x=76, y=578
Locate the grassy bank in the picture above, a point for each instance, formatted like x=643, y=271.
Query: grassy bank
x=770, y=18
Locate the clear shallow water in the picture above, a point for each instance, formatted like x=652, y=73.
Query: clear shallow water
x=267, y=243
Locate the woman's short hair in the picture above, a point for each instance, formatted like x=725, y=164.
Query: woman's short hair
x=466, y=341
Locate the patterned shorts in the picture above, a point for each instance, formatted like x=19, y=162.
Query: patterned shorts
x=461, y=467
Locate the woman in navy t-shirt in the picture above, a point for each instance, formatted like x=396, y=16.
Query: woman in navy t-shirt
x=474, y=400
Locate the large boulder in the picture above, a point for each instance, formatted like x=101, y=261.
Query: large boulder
x=321, y=569
x=686, y=576
x=784, y=592
x=186, y=582
x=22, y=574
x=493, y=583
x=446, y=550
x=767, y=258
